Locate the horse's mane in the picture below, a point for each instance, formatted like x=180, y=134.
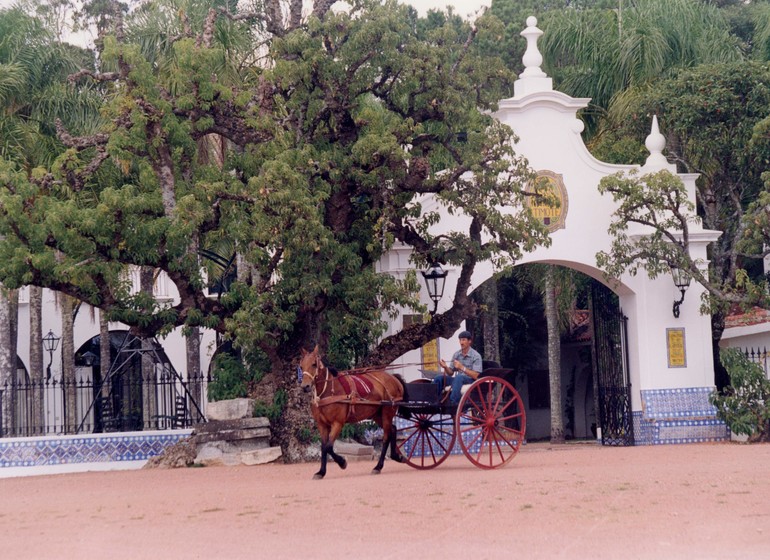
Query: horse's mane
x=333, y=370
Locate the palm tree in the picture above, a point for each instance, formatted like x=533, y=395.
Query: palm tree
x=488, y=298
x=34, y=91
x=148, y=374
x=559, y=289
x=554, y=355
x=598, y=53
x=35, y=95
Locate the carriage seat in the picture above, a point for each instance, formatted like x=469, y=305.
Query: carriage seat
x=485, y=365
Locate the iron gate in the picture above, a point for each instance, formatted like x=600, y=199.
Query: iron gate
x=610, y=360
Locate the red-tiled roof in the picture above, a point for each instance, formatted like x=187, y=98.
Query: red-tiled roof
x=755, y=316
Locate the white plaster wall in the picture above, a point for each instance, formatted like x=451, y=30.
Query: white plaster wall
x=87, y=326
x=754, y=336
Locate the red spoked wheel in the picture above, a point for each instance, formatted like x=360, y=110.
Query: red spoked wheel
x=490, y=422
x=425, y=440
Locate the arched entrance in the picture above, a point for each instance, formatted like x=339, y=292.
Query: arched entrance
x=512, y=330
x=139, y=390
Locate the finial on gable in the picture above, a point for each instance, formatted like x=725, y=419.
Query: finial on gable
x=532, y=58
x=533, y=79
x=655, y=143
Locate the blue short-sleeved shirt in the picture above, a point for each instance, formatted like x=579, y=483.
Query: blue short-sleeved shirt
x=471, y=361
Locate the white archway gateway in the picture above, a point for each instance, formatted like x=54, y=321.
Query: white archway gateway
x=670, y=364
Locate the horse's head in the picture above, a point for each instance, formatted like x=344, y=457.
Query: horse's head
x=311, y=365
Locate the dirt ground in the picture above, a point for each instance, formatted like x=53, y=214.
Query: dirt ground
x=576, y=501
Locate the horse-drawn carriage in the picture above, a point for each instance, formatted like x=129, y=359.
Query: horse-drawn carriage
x=488, y=424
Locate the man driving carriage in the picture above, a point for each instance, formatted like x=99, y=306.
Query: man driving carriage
x=466, y=366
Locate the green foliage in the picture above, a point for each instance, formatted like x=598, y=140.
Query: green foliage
x=357, y=432
x=523, y=332
x=657, y=200
x=599, y=51
x=714, y=118
x=308, y=435
x=230, y=379
x=743, y=405
x=272, y=411
x=34, y=91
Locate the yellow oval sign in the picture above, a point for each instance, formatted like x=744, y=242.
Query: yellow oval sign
x=553, y=204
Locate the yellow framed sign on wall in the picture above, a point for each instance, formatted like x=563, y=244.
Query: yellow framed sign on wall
x=676, y=350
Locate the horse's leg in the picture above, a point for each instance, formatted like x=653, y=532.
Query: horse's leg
x=395, y=454
x=324, y=433
x=389, y=438
x=388, y=416
x=336, y=429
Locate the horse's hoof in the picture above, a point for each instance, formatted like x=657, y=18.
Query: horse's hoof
x=344, y=464
x=398, y=459
x=376, y=471
x=318, y=476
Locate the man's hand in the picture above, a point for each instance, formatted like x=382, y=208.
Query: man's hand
x=461, y=368
x=447, y=370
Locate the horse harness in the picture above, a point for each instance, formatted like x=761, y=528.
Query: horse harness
x=350, y=396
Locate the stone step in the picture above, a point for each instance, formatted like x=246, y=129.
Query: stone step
x=223, y=425
x=230, y=409
x=261, y=456
x=353, y=451
x=213, y=457
x=233, y=435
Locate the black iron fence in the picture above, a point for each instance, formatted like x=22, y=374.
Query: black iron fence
x=158, y=401
x=758, y=356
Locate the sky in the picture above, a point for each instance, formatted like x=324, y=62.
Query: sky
x=463, y=8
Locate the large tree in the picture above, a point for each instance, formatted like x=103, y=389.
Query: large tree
x=715, y=119
x=334, y=144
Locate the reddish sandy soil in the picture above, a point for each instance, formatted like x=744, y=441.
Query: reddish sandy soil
x=576, y=501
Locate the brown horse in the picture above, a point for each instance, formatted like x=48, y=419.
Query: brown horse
x=347, y=398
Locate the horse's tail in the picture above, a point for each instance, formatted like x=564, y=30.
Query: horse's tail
x=403, y=411
x=403, y=385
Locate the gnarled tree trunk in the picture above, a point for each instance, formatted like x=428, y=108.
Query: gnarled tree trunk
x=7, y=362
x=68, y=364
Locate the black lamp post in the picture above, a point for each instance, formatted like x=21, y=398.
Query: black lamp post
x=89, y=358
x=681, y=281
x=50, y=343
x=435, y=278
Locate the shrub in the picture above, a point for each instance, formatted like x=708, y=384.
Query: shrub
x=359, y=431
x=230, y=380
x=743, y=405
x=273, y=410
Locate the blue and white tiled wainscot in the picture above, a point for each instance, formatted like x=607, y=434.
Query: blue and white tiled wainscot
x=52, y=454
x=682, y=415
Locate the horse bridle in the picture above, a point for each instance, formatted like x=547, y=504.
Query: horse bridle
x=313, y=378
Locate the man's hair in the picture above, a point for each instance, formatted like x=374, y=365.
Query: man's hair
x=465, y=334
